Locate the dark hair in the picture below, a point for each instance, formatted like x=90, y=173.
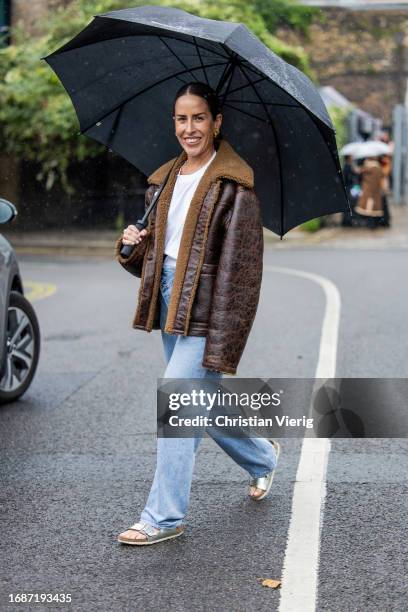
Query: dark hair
x=196, y=88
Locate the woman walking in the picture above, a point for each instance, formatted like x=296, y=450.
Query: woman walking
x=200, y=264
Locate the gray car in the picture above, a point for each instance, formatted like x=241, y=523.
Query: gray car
x=19, y=330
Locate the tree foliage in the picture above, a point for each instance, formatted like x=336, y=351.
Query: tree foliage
x=37, y=119
x=339, y=117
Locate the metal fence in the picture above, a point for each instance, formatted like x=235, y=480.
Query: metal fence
x=400, y=160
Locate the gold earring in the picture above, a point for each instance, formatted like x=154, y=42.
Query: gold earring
x=216, y=132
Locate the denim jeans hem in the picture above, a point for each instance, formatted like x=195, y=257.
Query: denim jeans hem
x=262, y=475
x=165, y=525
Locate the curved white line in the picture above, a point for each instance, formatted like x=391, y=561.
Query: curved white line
x=301, y=562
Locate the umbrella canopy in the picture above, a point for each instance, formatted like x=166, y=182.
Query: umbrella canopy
x=349, y=148
x=368, y=148
x=122, y=73
x=371, y=148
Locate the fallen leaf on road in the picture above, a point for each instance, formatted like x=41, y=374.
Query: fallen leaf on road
x=269, y=582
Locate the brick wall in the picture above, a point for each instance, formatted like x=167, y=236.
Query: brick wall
x=363, y=54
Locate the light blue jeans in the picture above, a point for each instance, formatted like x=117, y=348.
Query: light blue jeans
x=168, y=500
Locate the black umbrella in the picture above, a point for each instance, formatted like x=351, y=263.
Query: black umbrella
x=123, y=70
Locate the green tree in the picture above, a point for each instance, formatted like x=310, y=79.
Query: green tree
x=37, y=120
x=339, y=115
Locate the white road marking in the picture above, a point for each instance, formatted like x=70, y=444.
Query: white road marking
x=301, y=563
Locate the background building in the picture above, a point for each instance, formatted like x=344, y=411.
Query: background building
x=361, y=49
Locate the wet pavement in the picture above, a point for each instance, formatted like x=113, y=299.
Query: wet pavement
x=78, y=450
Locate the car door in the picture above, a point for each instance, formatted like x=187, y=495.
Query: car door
x=5, y=271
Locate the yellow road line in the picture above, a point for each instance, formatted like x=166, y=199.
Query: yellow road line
x=38, y=291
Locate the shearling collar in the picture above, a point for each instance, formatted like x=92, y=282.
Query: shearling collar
x=226, y=164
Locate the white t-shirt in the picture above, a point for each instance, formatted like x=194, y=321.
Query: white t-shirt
x=183, y=193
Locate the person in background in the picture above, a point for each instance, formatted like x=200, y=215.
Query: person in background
x=386, y=167
x=370, y=203
x=385, y=137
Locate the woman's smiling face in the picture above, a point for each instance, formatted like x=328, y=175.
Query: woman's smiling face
x=194, y=124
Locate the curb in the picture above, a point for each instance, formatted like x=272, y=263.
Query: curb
x=88, y=246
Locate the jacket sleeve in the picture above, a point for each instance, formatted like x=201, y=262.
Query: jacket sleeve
x=134, y=263
x=237, y=285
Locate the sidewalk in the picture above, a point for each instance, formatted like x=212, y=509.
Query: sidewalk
x=339, y=237
x=101, y=243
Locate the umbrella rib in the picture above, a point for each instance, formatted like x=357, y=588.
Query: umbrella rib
x=176, y=56
x=224, y=76
x=123, y=67
x=270, y=79
x=250, y=83
x=240, y=110
x=188, y=42
x=115, y=126
x=225, y=94
x=201, y=59
x=181, y=80
x=256, y=71
x=230, y=68
x=132, y=97
x=247, y=85
x=277, y=145
x=267, y=103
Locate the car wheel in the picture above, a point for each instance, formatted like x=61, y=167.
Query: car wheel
x=22, y=349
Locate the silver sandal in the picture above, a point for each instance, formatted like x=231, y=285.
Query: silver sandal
x=151, y=536
x=265, y=482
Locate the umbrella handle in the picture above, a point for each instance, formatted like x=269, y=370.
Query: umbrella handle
x=142, y=223
x=128, y=248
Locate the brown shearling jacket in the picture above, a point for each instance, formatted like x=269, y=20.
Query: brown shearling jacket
x=370, y=200
x=218, y=275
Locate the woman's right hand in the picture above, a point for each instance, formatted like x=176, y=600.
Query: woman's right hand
x=132, y=236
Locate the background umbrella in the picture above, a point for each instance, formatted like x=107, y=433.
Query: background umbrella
x=371, y=148
x=349, y=148
x=123, y=70
x=368, y=148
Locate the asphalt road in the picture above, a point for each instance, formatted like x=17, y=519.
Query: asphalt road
x=78, y=451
